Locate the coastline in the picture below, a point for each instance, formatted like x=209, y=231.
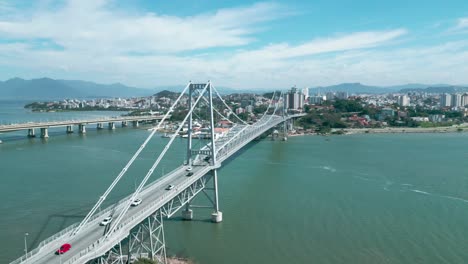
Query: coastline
x=389, y=130
x=392, y=130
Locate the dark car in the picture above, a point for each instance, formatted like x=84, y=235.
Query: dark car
x=189, y=174
x=64, y=248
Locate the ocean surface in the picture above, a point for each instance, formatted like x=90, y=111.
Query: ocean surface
x=396, y=198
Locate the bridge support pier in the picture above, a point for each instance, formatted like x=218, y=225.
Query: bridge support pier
x=187, y=214
x=136, y=123
x=216, y=216
x=124, y=123
x=44, y=132
x=111, y=126
x=285, y=130
x=31, y=133
x=99, y=126
x=82, y=128
x=69, y=129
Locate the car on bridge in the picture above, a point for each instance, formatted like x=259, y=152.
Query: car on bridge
x=106, y=221
x=136, y=202
x=170, y=187
x=63, y=248
x=189, y=174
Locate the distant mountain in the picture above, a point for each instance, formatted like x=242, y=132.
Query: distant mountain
x=358, y=88
x=439, y=89
x=353, y=88
x=415, y=86
x=92, y=89
x=167, y=94
x=18, y=88
x=221, y=90
x=46, y=88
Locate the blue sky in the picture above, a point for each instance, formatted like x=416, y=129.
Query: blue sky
x=239, y=44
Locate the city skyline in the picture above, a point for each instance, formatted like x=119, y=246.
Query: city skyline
x=239, y=44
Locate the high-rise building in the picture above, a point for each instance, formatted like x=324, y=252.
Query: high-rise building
x=305, y=92
x=294, y=100
x=445, y=100
x=403, y=100
x=456, y=100
x=464, y=100
x=316, y=100
x=342, y=95
x=330, y=95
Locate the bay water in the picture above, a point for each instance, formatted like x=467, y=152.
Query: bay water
x=395, y=198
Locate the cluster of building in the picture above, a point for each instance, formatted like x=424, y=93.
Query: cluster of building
x=114, y=103
x=453, y=100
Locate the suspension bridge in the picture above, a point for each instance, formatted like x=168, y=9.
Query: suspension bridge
x=138, y=231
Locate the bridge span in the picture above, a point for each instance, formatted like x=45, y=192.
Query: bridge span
x=137, y=231
x=81, y=124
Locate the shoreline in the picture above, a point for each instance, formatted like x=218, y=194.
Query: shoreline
x=388, y=130
x=394, y=130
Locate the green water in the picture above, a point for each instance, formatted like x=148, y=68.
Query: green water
x=351, y=199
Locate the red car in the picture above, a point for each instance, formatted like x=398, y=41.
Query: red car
x=64, y=248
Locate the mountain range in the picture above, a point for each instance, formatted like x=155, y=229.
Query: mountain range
x=46, y=88
x=358, y=88
x=52, y=89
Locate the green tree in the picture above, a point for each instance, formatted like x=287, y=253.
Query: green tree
x=348, y=106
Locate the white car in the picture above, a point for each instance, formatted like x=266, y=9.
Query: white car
x=106, y=221
x=189, y=169
x=170, y=187
x=136, y=202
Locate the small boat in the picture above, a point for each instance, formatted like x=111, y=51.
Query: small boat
x=165, y=135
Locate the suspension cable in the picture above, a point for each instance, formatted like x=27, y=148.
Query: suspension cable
x=155, y=164
x=130, y=162
x=224, y=102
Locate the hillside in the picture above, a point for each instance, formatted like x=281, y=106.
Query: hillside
x=439, y=89
x=353, y=88
x=46, y=88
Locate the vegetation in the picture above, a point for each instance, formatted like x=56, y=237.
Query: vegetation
x=145, y=261
x=335, y=114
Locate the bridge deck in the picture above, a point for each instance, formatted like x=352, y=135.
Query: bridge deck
x=31, y=125
x=89, y=243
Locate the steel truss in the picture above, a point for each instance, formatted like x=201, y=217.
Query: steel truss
x=147, y=239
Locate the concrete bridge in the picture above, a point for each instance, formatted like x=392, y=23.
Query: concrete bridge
x=80, y=124
x=137, y=231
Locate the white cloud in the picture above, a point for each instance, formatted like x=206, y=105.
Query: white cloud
x=99, y=44
x=462, y=23
x=352, y=41
x=92, y=25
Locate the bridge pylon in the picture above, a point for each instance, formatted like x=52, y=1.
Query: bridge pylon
x=207, y=154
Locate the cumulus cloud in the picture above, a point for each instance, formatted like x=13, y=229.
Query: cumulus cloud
x=91, y=24
x=92, y=40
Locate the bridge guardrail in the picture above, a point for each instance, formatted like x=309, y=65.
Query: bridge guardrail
x=239, y=140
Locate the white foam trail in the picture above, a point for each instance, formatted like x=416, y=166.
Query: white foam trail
x=329, y=168
x=406, y=184
x=419, y=191
x=455, y=198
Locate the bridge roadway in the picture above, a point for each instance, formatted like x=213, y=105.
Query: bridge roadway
x=32, y=125
x=90, y=243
